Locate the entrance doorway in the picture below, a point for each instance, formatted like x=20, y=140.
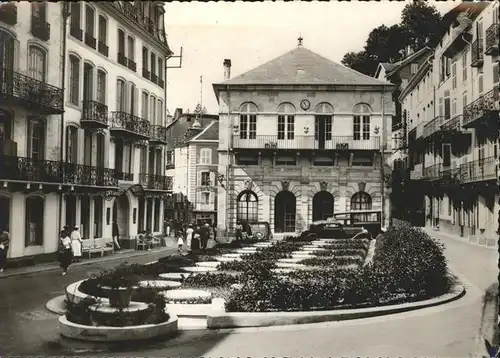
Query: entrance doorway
x=323, y=130
x=5, y=210
x=71, y=211
x=285, y=209
x=121, y=214
x=322, y=206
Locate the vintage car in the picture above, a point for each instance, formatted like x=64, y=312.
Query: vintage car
x=345, y=225
x=261, y=230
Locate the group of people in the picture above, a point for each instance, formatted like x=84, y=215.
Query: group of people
x=196, y=237
x=70, y=247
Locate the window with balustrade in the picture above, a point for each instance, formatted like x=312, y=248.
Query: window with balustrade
x=121, y=92
x=74, y=80
x=130, y=48
x=152, y=109
x=133, y=99
x=248, y=121
x=36, y=138
x=37, y=64
x=159, y=112
x=90, y=26
x=101, y=86
x=286, y=121
x=103, y=35
x=71, y=144
x=361, y=122
x=145, y=105
x=205, y=179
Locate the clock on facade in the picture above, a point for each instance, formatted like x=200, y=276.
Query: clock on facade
x=305, y=104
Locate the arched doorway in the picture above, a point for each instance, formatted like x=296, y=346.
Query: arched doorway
x=322, y=206
x=361, y=201
x=285, y=209
x=121, y=215
x=248, y=206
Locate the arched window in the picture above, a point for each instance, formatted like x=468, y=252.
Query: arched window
x=71, y=144
x=101, y=86
x=248, y=121
x=34, y=221
x=247, y=208
x=361, y=201
x=159, y=112
x=286, y=121
x=324, y=108
x=88, y=82
x=7, y=42
x=361, y=121
x=103, y=35
x=205, y=156
x=133, y=99
x=152, y=109
x=120, y=95
x=74, y=80
x=145, y=105
x=37, y=63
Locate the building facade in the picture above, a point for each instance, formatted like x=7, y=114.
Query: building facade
x=300, y=138
x=100, y=160
x=451, y=106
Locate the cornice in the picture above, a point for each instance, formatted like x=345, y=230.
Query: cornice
x=304, y=87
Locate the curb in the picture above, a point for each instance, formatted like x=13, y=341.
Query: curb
x=267, y=319
x=8, y=274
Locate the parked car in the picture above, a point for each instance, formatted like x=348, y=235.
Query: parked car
x=261, y=230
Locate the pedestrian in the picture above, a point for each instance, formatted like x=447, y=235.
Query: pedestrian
x=116, y=235
x=4, y=247
x=214, y=228
x=64, y=252
x=180, y=243
x=204, y=236
x=76, y=244
x=168, y=229
x=195, y=245
x=239, y=231
x=189, y=236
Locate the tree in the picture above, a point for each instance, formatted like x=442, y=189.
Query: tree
x=385, y=43
x=361, y=61
x=421, y=21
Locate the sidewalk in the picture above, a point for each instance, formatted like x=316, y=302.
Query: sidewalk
x=440, y=234
x=123, y=254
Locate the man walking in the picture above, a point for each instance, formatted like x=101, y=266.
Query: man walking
x=4, y=246
x=205, y=235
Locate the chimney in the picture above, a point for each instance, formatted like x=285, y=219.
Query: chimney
x=177, y=113
x=227, y=69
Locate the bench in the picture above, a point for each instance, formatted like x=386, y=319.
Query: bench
x=96, y=245
x=144, y=243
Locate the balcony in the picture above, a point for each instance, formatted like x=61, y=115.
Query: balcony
x=122, y=60
x=433, y=172
x=156, y=182
x=90, y=40
x=8, y=14
x=450, y=176
x=149, y=25
x=146, y=73
x=158, y=134
x=119, y=175
x=453, y=125
x=50, y=171
x=492, y=39
x=477, y=53
x=482, y=110
x=306, y=142
x=479, y=170
x=161, y=83
x=432, y=126
x=127, y=125
x=417, y=172
x=76, y=32
x=40, y=28
x=460, y=38
x=154, y=78
x=131, y=65
x=103, y=48
x=24, y=91
x=94, y=115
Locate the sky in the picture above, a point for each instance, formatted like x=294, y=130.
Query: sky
x=252, y=33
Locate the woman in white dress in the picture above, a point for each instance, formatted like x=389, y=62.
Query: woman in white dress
x=76, y=244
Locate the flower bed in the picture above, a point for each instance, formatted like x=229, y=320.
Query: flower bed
x=340, y=252
x=332, y=261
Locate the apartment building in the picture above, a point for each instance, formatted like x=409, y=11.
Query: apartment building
x=451, y=106
x=300, y=138
x=192, y=162
x=85, y=134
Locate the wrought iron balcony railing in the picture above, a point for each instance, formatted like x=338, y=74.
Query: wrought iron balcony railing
x=158, y=134
x=131, y=65
x=76, y=32
x=492, y=38
x=453, y=125
x=90, y=40
x=95, y=114
x=119, y=175
x=50, y=171
x=8, y=13
x=481, y=107
x=433, y=172
x=154, y=78
x=40, y=28
x=479, y=170
x=103, y=48
x=451, y=176
x=161, y=83
x=129, y=125
x=31, y=93
x=306, y=142
x=477, y=53
x=432, y=126
x=156, y=182
x=146, y=73
x=149, y=25
x=122, y=60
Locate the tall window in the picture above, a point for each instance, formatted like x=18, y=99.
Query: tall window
x=7, y=61
x=133, y=103
x=145, y=58
x=361, y=123
x=248, y=121
x=98, y=204
x=120, y=96
x=37, y=63
x=286, y=121
x=144, y=160
x=153, y=64
x=205, y=179
x=34, y=221
x=144, y=101
x=454, y=107
x=465, y=68
x=121, y=43
x=447, y=105
x=71, y=144
x=152, y=109
x=39, y=10
x=206, y=156
x=75, y=15
x=159, y=112
x=88, y=82
x=101, y=86
x=247, y=206
x=464, y=101
x=36, y=138
x=480, y=86
x=89, y=21
x=414, y=68
x=454, y=75
x=103, y=30
x=160, y=68
x=74, y=80
x=496, y=74
x=361, y=201
x=131, y=48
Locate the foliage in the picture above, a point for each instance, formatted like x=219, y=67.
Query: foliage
x=212, y=279
x=245, y=265
x=361, y=61
x=332, y=261
x=421, y=22
x=266, y=255
x=340, y=252
x=79, y=312
x=123, y=275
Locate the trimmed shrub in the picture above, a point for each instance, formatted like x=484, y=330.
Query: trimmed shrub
x=212, y=279
x=332, y=261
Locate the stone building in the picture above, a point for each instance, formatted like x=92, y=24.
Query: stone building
x=300, y=138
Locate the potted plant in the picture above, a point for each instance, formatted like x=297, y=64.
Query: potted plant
x=118, y=285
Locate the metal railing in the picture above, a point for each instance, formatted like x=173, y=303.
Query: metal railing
x=156, y=182
x=432, y=126
x=40, y=28
x=32, y=92
x=307, y=142
x=76, y=32
x=94, y=111
x=90, y=40
x=158, y=134
x=492, y=39
x=477, y=53
x=486, y=103
x=479, y=170
x=130, y=123
x=103, y=48
x=433, y=172
x=50, y=171
x=454, y=124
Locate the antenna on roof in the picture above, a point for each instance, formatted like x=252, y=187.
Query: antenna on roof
x=300, y=39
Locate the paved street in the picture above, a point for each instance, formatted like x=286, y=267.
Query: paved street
x=444, y=331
